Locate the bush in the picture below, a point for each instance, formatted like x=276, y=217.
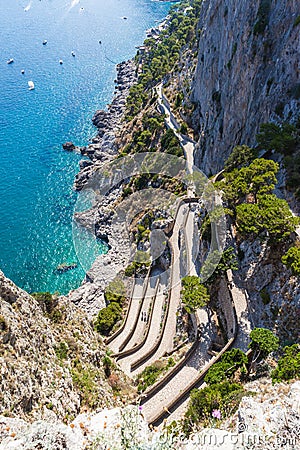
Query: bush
x=149, y=375
x=115, y=291
x=270, y=217
x=263, y=342
x=225, y=369
x=86, y=380
x=61, y=351
x=184, y=129
x=297, y=21
x=265, y=296
x=107, y=317
x=292, y=259
x=282, y=138
x=241, y=156
x=288, y=365
x=223, y=397
x=46, y=301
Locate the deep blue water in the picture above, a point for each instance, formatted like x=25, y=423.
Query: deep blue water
x=36, y=175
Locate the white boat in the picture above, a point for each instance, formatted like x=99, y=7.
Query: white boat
x=61, y=61
x=45, y=42
x=73, y=53
x=10, y=61
x=30, y=85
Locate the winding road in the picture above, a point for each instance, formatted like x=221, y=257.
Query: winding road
x=140, y=342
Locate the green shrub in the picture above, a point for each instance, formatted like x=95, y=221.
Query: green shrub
x=263, y=342
x=115, y=291
x=46, y=301
x=194, y=294
x=292, y=259
x=269, y=218
x=184, y=129
x=223, y=397
x=224, y=369
x=107, y=317
x=265, y=296
x=85, y=378
x=288, y=365
x=107, y=364
x=241, y=156
x=282, y=138
x=61, y=351
x=297, y=21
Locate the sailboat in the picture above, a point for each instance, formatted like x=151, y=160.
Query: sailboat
x=30, y=85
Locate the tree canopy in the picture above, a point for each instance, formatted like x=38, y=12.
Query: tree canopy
x=271, y=216
x=194, y=294
x=263, y=342
x=241, y=156
x=292, y=259
x=288, y=365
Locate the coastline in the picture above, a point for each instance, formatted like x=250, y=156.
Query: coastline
x=102, y=149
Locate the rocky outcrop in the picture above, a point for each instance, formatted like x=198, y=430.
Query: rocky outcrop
x=45, y=349
x=248, y=73
x=274, y=293
x=269, y=419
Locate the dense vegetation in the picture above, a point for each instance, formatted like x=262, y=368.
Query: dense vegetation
x=107, y=317
x=151, y=373
x=49, y=304
x=216, y=401
x=225, y=369
x=284, y=139
x=115, y=291
x=292, y=259
x=194, y=294
x=221, y=397
x=288, y=365
x=248, y=194
x=161, y=55
x=140, y=264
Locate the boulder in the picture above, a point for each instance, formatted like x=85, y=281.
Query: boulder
x=69, y=146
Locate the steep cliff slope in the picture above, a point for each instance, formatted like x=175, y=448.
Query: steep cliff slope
x=248, y=73
x=51, y=359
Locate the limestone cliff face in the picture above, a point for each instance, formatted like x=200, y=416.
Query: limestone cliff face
x=50, y=363
x=248, y=73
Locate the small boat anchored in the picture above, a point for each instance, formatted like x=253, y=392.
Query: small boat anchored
x=64, y=267
x=45, y=42
x=73, y=53
x=10, y=61
x=61, y=61
x=30, y=85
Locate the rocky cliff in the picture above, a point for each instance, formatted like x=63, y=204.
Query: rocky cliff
x=248, y=73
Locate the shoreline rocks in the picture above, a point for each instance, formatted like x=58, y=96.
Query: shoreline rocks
x=102, y=148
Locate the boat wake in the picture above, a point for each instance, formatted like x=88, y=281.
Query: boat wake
x=27, y=8
x=73, y=3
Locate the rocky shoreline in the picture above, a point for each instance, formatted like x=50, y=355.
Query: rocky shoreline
x=102, y=149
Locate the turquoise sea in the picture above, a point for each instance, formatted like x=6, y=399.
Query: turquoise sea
x=36, y=175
